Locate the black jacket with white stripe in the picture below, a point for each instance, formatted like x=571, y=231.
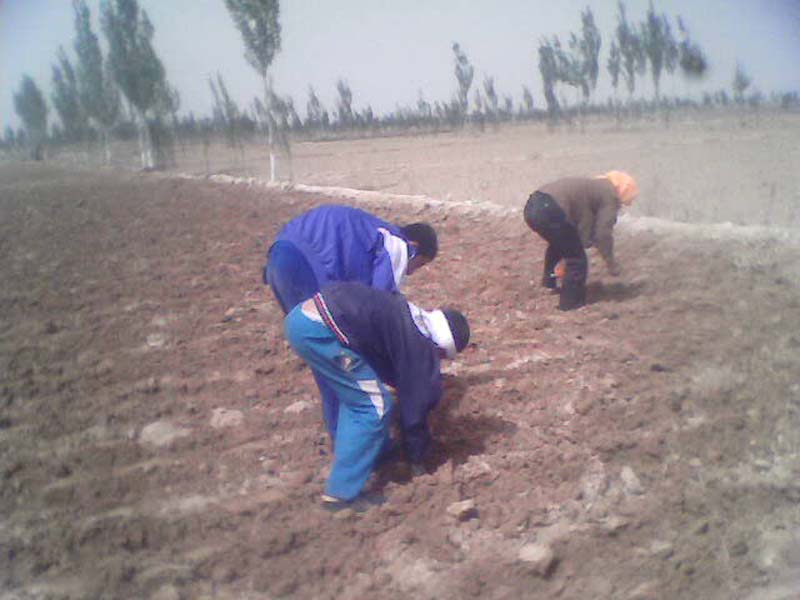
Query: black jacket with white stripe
x=378, y=326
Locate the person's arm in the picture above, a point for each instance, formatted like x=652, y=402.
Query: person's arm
x=390, y=262
x=604, y=233
x=585, y=226
x=419, y=388
x=382, y=273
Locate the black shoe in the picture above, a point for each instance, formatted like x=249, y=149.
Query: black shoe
x=549, y=281
x=572, y=296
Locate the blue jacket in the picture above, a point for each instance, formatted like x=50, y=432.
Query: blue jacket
x=378, y=326
x=342, y=243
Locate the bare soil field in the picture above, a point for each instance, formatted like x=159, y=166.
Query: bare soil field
x=159, y=440
x=706, y=167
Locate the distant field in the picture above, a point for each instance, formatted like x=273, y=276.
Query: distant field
x=704, y=168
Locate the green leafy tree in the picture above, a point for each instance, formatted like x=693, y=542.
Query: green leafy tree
x=258, y=23
x=137, y=70
x=586, y=50
x=630, y=49
x=569, y=66
x=741, y=81
x=691, y=57
x=31, y=107
x=66, y=99
x=671, y=53
x=9, y=137
x=654, y=45
x=614, y=65
x=98, y=93
x=548, y=69
x=464, y=74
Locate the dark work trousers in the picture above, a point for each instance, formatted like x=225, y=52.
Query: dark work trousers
x=547, y=218
x=292, y=280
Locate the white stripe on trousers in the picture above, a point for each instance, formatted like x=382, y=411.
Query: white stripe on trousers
x=371, y=387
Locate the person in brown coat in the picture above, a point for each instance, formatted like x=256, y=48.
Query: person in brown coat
x=572, y=214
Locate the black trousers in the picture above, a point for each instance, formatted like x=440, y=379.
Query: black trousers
x=544, y=215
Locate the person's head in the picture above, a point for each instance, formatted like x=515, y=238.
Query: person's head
x=625, y=186
x=450, y=331
x=459, y=328
x=424, y=245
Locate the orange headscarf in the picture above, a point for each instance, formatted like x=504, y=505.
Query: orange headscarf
x=624, y=184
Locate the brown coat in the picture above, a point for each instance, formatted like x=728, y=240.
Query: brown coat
x=592, y=206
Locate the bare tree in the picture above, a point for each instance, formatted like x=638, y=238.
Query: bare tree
x=527, y=100
x=344, y=105
x=507, y=112
x=741, y=81
x=464, y=73
x=424, y=110
x=478, y=114
x=316, y=115
x=492, y=101
x=226, y=114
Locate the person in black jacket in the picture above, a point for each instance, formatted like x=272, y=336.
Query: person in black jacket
x=362, y=340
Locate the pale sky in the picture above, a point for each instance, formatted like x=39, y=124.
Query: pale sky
x=389, y=51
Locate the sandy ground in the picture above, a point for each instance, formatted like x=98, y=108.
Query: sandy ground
x=159, y=440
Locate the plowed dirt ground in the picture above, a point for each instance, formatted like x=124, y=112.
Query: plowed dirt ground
x=159, y=440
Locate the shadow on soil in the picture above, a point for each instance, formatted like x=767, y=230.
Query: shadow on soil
x=457, y=436
x=597, y=291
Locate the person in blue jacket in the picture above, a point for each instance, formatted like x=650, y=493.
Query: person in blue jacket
x=361, y=340
x=342, y=243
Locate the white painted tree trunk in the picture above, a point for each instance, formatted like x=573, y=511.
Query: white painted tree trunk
x=106, y=146
x=145, y=141
x=273, y=160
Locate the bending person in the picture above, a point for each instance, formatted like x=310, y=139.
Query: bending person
x=333, y=243
x=361, y=340
x=572, y=214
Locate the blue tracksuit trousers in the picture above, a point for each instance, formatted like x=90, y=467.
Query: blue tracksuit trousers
x=292, y=281
x=364, y=407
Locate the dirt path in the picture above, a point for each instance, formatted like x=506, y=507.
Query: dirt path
x=158, y=440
